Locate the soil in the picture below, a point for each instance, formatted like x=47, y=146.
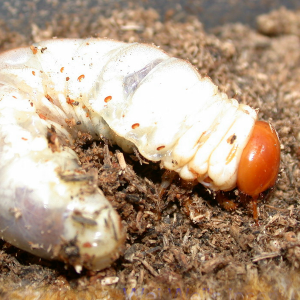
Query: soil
x=180, y=243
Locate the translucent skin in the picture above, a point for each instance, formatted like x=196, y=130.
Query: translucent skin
x=259, y=164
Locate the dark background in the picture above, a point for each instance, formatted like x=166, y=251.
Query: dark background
x=20, y=14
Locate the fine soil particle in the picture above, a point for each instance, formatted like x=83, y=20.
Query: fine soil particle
x=180, y=243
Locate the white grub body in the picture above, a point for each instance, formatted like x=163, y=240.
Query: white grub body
x=134, y=95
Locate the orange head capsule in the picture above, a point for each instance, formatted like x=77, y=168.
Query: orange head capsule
x=259, y=164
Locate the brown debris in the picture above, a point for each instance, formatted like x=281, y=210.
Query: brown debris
x=214, y=264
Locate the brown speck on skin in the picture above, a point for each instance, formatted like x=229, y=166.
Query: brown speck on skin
x=135, y=125
x=80, y=78
x=160, y=148
x=67, y=78
x=33, y=49
x=231, y=139
x=70, y=101
x=49, y=98
x=174, y=162
x=87, y=245
x=107, y=99
x=42, y=116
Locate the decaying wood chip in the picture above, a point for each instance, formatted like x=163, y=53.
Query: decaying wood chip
x=121, y=160
x=265, y=256
x=215, y=263
x=109, y=280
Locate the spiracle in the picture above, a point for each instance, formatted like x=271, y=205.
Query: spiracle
x=135, y=95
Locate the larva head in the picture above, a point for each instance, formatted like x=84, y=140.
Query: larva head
x=260, y=160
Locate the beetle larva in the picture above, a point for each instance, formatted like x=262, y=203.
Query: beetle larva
x=134, y=95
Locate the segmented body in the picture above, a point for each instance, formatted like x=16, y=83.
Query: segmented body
x=134, y=95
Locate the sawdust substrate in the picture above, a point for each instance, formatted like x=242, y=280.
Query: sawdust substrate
x=182, y=242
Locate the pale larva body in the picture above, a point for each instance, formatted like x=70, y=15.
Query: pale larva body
x=132, y=94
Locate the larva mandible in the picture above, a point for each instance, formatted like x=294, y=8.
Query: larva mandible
x=134, y=95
